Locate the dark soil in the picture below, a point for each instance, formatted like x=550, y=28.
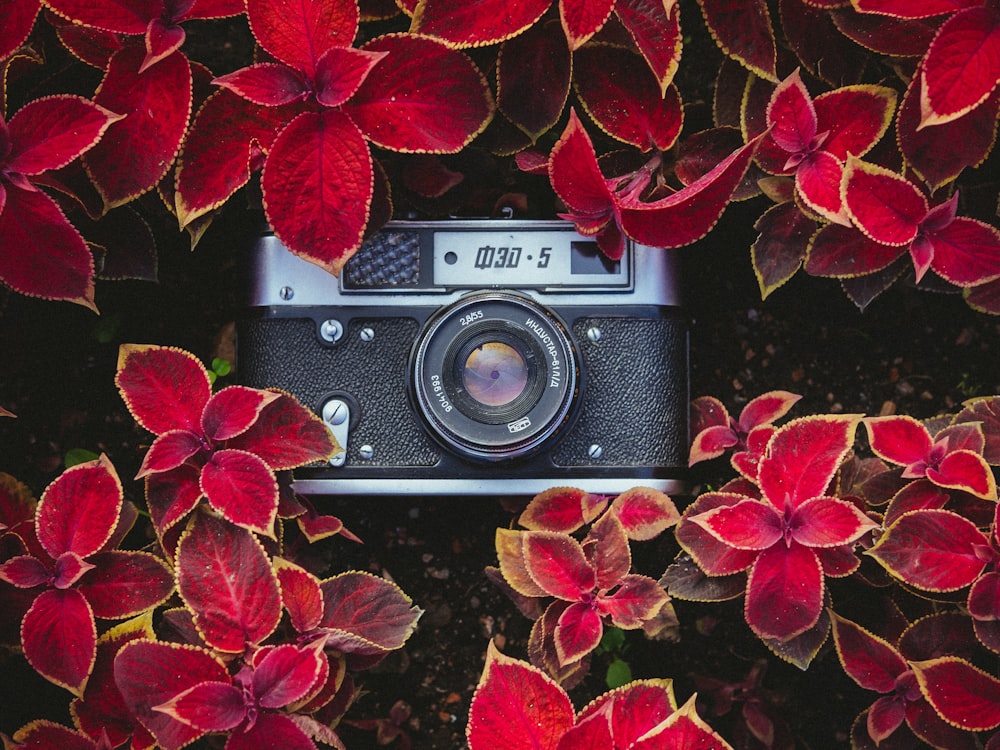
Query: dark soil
x=910, y=352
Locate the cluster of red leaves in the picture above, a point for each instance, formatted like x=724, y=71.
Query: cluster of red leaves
x=337, y=130
x=924, y=508
x=517, y=705
x=265, y=659
x=572, y=587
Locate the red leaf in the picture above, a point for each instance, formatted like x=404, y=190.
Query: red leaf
x=41, y=253
x=139, y=149
x=870, y=661
x=689, y=214
x=301, y=595
x=620, y=93
x=711, y=442
x=19, y=18
x=743, y=31
x=844, y=252
x=149, y=674
x=964, y=470
x=25, y=572
x=962, y=694
x=43, y=733
x=885, y=206
x=885, y=716
x=803, y=457
x=124, y=584
x=582, y=19
x=635, y=709
x=855, y=117
x=130, y=18
x=784, y=592
x=248, y=608
x=300, y=34
x=934, y=550
x=655, y=28
x=607, y=551
x=287, y=674
x=243, y=489
x=268, y=84
x=164, y=388
x=683, y=729
x=939, y=154
x=636, y=600
x=48, y=133
x=317, y=185
x=984, y=598
x=163, y=38
x=817, y=182
x=225, y=138
x=79, y=511
x=898, y=439
x=645, y=513
x=341, y=71
x=792, y=116
x=207, y=706
x=825, y=51
x=911, y=9
x=828, y=522
x=709, y=553
x=563, y=509
x=171, y=495
x=286, y=435
x=766, y=408
x=576, y=176
x=274, y=730
x=986, y=411
x=370, y=608
x=558, y=565
x=533, y=77
x=747, y=525
x=476, y=23
x=233, y=410
x=966, y=252
x=510, y=553
x=781, y=246
x=168, y=451
x=962, y=66
x=516, y=705
x=59, y=638
x=423, y=97
x=577, y=633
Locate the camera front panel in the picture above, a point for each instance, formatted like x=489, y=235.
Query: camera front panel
x=477, y=390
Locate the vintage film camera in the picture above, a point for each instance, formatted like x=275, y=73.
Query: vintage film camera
x=475, y=357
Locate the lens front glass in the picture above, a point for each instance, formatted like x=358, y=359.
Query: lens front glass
x=495, y=374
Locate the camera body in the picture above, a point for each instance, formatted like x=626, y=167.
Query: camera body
x=477, y=357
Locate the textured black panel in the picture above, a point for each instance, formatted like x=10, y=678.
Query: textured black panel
x=286, y=353
x=389, y=259
x=635, y=403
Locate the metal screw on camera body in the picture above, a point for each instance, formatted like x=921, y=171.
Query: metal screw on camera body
x=367, y=334
x=595, y=451
x=286, y=293
x=366, y=452
x=594, y=334
x=331, y=330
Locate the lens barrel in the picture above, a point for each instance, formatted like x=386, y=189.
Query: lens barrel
x=494, y=376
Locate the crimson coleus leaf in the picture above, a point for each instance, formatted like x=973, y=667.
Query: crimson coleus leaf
x=510, y=553
x=785, y=591
x=19, y=17
x=299, y=35
x=79, y=510
x=962, y=66
x=163, y=387
x=171, y=495
x=822, y=48
x=125, y=583
x=683, y=728
x=846, y=252
x=156, y=104
x=207, y=707
x=477, y=23
x=986, y=411
x=516, y=705
x=887, y=35
x=934, y=550
x=578, y=632
x=962, y=694
x=557, y=563
x=622, y=96
x=655, y=29
x=606, y=550
x=248, y=609
x=911, y=9
x=743, y=31
x=563, y=509
x=318, y=183
x=59, y=638
x=242, y=487
x=870, y=661
x=635, y=709
x=366, y=614
x=286, y=435
x=423, y=97
x=710, y=554
x=644, y=513
x=533, y=78
x=148, y=674
x=45, y=733
x=301, y=595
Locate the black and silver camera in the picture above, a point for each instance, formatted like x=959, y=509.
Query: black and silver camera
x=478, y=357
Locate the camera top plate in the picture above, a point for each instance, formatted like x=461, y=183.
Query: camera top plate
x=436, y=262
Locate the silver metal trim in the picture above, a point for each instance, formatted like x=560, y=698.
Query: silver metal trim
x=495, y=487
x=278, y=278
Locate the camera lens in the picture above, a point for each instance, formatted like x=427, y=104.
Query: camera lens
x=494, y=375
